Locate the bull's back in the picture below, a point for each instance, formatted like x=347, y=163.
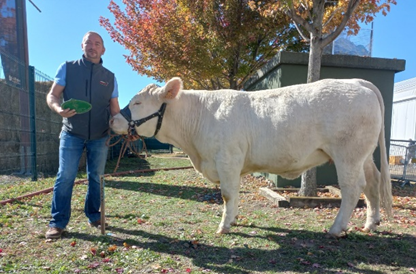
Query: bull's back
x=288, y=125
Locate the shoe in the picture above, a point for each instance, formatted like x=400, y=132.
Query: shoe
x=96, y=224
x=54, y=233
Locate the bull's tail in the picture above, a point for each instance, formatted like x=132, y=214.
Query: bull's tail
x=385, y=186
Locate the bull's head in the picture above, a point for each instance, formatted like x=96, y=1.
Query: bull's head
x=138, y=116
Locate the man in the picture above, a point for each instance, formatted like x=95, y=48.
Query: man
x=84, y=79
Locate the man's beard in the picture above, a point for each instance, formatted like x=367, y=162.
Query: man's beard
x=91, y=55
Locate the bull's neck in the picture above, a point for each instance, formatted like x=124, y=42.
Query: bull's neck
x=181, y=122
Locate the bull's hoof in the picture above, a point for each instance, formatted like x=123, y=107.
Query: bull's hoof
x=223, y=230
x=337, y=233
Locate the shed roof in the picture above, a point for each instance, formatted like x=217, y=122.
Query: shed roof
x=405, y=90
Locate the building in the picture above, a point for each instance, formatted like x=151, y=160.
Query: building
x=403, y=123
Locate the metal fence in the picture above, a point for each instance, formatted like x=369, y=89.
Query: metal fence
x=402, y=161
x=28, y=129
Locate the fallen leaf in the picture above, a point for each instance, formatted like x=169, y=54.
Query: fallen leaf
x=93, y=265
x=73, y=243
x=93, y=251
x=112, y=248
x=156, y=266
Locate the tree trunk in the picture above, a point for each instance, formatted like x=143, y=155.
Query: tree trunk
x=308, y=183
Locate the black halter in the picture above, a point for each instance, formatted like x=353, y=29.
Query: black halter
x=132, y=124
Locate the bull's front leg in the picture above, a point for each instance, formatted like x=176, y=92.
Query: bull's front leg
x=230, y=195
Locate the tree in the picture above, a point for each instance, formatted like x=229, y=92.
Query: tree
x=210, y=44
x=319, y=22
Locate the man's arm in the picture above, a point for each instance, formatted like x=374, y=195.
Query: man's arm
x=114, y=106
x=53, y=99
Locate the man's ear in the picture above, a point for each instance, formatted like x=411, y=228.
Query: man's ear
x=172, y=88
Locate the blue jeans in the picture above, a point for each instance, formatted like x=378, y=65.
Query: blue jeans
x=70, y=152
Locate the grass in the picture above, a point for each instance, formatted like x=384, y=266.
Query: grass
x=165, y=222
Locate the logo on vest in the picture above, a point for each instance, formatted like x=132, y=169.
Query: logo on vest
x=103, y=83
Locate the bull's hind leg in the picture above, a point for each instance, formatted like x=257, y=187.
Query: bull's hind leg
x=351, y=181
x=230, y=187
x=372, y=195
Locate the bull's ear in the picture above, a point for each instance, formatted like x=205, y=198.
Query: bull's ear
x=172, y=88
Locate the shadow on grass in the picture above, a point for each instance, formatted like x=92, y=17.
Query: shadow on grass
x=296, y=250
x=131, y=164
x=193, y=193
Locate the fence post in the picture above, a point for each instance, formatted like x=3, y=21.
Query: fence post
x=32, y=107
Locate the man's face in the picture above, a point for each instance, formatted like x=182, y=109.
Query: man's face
x=93, y=47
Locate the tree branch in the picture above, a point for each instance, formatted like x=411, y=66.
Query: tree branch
x=352, y=5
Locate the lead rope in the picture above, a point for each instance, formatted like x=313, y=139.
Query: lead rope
x=127, y=143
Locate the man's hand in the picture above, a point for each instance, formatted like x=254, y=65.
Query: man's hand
x=66, y=112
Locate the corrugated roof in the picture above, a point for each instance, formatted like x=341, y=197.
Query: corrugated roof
x=409, y=84
x=405, y=90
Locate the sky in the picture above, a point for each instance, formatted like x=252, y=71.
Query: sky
x=55, y=35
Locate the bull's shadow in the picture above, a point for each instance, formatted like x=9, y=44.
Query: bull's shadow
x=325, y=254
x=194, y=193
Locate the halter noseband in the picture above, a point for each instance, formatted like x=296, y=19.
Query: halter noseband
x=135, y=123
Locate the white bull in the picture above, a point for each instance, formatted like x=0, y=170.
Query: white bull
x=284, y=131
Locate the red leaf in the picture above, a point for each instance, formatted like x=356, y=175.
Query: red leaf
x=188, y=270
x=73, y=243
x=93, y=251
x=93, y=265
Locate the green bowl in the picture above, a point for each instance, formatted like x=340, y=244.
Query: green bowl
x=78, y=105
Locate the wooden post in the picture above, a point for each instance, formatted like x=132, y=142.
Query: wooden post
x=102, y=205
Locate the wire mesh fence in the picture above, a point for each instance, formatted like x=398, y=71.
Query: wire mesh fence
x=402, y=160
x=28, y=129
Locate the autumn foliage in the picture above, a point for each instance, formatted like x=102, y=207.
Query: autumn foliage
x=209, y=44
x=214, y=44
x=334, y=11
